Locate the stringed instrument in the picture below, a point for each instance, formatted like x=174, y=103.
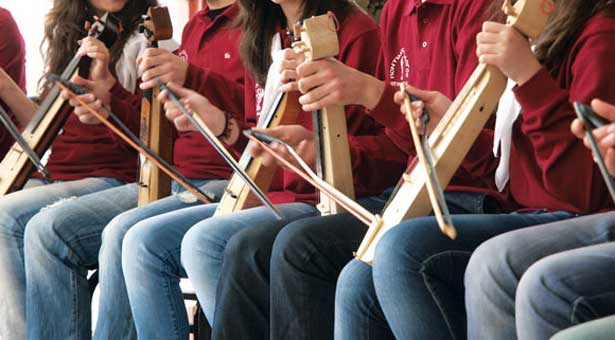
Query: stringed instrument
x=15, y=168
x=237, y=195
x=156, y=131
x=284, y=111
x=316, y=37
x=333, y=162
x=456, y=132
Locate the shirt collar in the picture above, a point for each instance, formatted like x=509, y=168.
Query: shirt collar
x=230, y=13
x=412, y=4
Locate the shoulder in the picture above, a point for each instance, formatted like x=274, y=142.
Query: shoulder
x=601, y=23
x=356, y=25
x=7, y=23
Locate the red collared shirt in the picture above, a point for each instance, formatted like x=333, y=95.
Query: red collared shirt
x=377, y=163
x=549, y=167
x=13, y=62
x=207, y=45
x=432, y=46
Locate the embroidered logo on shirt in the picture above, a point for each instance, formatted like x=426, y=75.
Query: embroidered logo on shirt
x=183, y=54
x=259, y=94
x=400, y=68
x=227, y=55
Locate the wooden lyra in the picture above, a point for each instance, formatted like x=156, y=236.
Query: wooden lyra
x=15, y=168
x=156, y=131
x=456, y=132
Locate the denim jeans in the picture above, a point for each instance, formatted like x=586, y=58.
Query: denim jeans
x=61, y=244
x=114, y=315
x=242, y=297
x=543, y=279
x=211, y=241
x=601, y=329
x=152, y=272
x=414, y=290
x=16, y=212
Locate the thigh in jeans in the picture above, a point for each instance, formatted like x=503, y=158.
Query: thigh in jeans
x=16, y=209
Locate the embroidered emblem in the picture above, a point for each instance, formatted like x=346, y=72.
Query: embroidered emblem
x=259, y=94
x=227, y=55
x=400, y=68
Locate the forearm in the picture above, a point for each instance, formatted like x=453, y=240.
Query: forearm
x=22, y=108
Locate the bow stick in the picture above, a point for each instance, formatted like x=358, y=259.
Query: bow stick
x=434, y=189
x=590, y=122
x=14, y=132
x=217, y=145
x=127, y=135
x=304, y=171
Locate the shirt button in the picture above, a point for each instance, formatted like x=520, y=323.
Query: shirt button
x=424, y=44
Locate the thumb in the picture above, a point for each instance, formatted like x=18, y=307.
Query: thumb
x=180, y=91
x=277, y=132
x=604, y=109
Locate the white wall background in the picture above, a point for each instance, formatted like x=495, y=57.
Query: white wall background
x=30, y=17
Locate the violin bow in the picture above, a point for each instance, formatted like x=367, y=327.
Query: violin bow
x=14, y=132
x=124, y=132
x=305, y=172
x=219, y=147
x=423, y=151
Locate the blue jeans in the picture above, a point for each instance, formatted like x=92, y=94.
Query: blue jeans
x=601, y=329
x=16, y=212
x=242, y=298
x=211, y=241
x=543, y=279
x=152, y=272
x=114, y=315
x=415, y=288
x=61, y=244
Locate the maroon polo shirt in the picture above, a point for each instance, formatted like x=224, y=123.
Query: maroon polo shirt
x=377, y=163
x=96, y=152
x=13, y=62
x=207, y=44
x=549, y=167
x=432, y=46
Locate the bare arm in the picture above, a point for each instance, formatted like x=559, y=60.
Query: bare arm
x=10, y=93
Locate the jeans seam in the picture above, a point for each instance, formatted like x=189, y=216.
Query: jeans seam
x=577, y=302
x=75, y=300
x=429, y=288
x=167, y=285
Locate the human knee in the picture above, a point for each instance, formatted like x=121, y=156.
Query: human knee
x=354, y=287
x=540, y=283
x=113, y=236
x=493, y=262
x=290, y=246
x=248, y=248
x=139, y=248
x=202, y=240
x=43, y=233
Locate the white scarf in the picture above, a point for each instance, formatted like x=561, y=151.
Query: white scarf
x=274, y=78
x=508, y=111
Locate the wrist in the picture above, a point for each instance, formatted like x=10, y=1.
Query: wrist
x=372, y=92
x=533, y=66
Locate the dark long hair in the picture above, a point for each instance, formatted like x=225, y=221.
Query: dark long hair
x=564, y=27
x=260, y=20
x=64, y=26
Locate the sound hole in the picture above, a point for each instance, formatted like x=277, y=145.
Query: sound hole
x=481, y=109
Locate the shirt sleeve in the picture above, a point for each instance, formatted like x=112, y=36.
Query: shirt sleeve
x=548, y=113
